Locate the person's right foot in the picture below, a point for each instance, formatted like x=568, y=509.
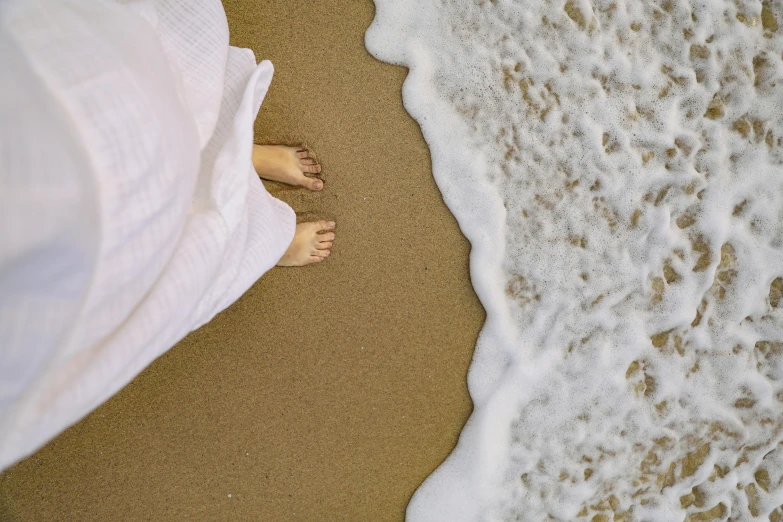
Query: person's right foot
x=312, y=243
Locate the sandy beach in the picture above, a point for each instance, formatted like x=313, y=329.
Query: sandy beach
x=325, y=393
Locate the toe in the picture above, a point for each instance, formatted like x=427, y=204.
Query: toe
x=325, y=245
x=311, y=169
x=329, y=236
x=314, y=183
x=307, y=161
x=320, y=253
x=326, y=225
x=302, y=153
x=316, y=259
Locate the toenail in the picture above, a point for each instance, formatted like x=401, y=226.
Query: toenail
x=318, y=184
x=330, y=224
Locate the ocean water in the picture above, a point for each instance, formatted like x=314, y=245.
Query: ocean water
x=617, y=168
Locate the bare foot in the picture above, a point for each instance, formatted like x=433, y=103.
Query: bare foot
x=287, y=165
x=312, y=244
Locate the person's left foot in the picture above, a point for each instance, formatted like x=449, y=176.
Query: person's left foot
x=287, y=165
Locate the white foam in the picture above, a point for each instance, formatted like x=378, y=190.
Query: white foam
x=630, y=364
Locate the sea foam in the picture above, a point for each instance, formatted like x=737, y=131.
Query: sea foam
x=616, y=166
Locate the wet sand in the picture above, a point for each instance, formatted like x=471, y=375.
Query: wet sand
x=324, y=393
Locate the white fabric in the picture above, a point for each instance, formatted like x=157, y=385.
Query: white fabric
x=130, y=213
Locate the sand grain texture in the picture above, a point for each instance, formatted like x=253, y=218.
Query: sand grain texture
x=324, y=393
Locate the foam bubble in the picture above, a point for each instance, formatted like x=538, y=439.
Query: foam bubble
x=616, y=166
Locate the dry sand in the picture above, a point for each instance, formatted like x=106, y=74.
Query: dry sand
x=325, y=393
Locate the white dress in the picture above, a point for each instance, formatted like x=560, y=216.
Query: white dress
x=130, y=213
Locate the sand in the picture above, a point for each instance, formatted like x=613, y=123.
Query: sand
x=324, y=393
